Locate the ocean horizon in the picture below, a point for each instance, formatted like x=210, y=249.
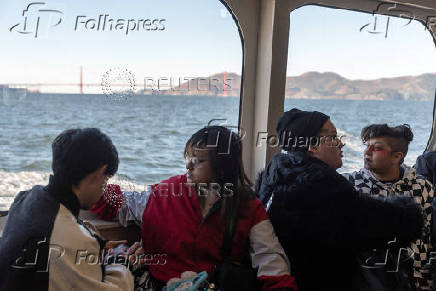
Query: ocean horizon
x=150, y=131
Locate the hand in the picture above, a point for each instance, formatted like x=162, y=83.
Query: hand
x=184, y=286
x=111, y=244
x=136, y=254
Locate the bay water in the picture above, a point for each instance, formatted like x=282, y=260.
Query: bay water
x=150, y=131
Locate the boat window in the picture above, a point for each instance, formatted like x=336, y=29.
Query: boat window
x=362, y=69
x=147, y=73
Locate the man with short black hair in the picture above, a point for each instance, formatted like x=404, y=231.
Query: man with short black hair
x=45, y=245
x=385, y=175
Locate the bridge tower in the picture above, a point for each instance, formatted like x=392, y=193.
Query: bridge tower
x=81, y=80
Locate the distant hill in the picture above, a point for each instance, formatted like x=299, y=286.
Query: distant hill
x=315, y=85
x=332, y=85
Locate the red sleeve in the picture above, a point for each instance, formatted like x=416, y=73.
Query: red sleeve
x=285, y=282
x=260, y=212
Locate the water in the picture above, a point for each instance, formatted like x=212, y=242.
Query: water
x=150, y=132
x=350, y=116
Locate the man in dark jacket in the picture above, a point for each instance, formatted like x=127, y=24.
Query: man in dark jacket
x=321, y=221
x=426, y=166
x=45, y=246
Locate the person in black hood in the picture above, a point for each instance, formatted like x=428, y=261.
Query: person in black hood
x=321, y=221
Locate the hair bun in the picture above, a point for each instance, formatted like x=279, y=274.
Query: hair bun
x=405, y=131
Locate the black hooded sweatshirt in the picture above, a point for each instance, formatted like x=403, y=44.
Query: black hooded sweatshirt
x=322, y=222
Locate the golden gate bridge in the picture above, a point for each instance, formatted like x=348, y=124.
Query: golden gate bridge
x=35, y=87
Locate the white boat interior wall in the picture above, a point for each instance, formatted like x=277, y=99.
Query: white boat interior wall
x=264, y=27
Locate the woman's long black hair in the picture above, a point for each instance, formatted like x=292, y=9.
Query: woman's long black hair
x=225, y=156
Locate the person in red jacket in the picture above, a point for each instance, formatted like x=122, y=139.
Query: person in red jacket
x=184, y=218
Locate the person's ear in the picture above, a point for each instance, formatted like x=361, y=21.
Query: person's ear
x=398, y=156
x=100, y=172
x=312, y=149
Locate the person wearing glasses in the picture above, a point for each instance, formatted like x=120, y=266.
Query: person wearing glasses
x=184, y=218
x=395, y=267
x=321, y=221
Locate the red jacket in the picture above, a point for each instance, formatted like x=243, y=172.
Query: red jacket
x=175, y=232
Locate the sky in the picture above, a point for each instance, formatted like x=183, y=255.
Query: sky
x=324, y=39
x=193, y=38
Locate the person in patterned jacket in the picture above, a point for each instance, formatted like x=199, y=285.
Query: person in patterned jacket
x=396, y=267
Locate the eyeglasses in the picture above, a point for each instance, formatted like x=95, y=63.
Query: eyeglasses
x=195, y=161
x=335, y=139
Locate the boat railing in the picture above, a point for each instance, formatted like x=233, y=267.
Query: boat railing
x=110, y=230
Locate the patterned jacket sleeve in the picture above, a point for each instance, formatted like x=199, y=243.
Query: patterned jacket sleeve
x=432, y=254
x=133, y=207
x=126, y=207
x=423, y=248
x=350, y=177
